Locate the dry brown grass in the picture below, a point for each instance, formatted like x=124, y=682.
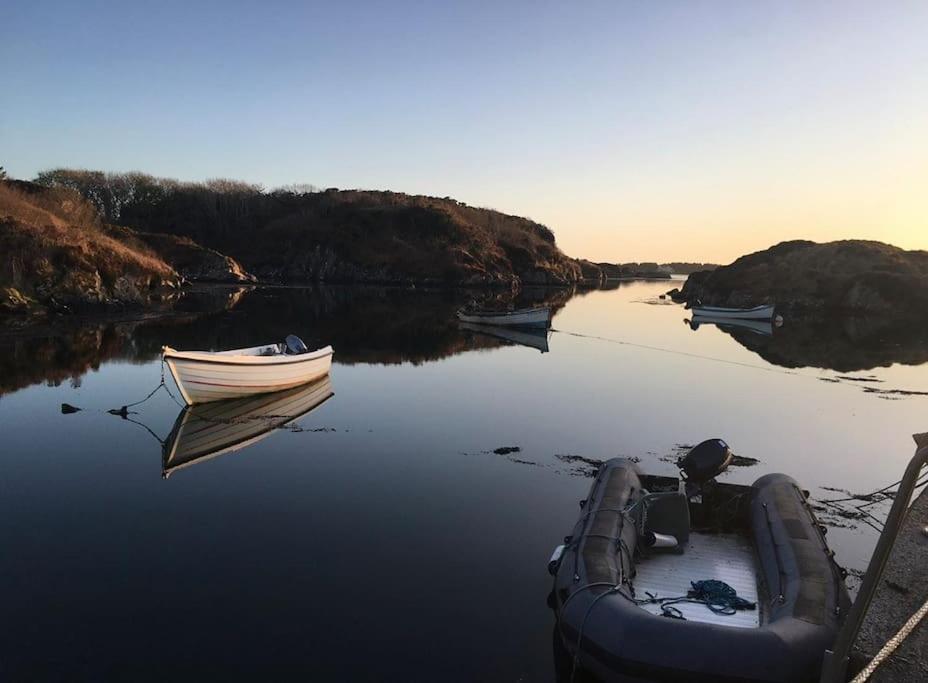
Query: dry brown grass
x=60, y=223
x=55, y=248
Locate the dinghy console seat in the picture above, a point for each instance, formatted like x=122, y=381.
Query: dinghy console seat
x=664, y=520
x=664, y=517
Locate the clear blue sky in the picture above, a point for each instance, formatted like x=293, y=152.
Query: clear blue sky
x=648, y=130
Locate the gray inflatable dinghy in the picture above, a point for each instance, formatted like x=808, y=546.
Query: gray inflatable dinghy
x=694, y=580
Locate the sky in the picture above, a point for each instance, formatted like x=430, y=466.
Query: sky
x=694, y=131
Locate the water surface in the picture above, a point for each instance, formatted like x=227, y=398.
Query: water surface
x=379, y=536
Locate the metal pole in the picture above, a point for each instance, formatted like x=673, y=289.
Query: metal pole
x=834, y=666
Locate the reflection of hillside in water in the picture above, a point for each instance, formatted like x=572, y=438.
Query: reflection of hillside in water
x=364, y=325
x=68, y=348
x=845, y=345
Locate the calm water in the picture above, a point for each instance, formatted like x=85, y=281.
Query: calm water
x=379, y=536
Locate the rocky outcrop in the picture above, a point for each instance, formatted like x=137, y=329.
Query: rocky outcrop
x=687, y=268
x=193, y=262
x=851, y=276
x=58, y=257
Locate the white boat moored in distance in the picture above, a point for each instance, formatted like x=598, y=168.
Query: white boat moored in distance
x=522, y=317
x=204, y=376
x=718, y=312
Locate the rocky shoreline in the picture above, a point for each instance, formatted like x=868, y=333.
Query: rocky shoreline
x=848, y=277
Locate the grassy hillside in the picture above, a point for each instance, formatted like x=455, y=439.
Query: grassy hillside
x=58, y=254
x=334, y=235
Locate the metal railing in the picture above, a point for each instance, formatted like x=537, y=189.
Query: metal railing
x=834, y=666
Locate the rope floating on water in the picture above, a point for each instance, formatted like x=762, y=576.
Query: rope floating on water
x=676, y=352
x=687, y=354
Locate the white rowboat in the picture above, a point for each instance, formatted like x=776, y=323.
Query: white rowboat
x=523, y=317
x=718, y=312
x=204, y=376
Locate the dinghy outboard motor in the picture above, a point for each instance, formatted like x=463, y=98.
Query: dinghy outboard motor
x=706, y=461
x=294, y=345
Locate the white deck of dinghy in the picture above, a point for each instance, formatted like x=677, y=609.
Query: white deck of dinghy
x=726, y=557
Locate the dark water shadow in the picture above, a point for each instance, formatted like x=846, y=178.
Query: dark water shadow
x=842, y=344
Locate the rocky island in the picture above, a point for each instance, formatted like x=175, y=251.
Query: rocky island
x=847, y=277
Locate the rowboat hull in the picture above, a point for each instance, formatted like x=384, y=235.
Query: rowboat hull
x=764, y=327
x=203, y=377
x=203, y=432
x=719, y=313
x=530, y=317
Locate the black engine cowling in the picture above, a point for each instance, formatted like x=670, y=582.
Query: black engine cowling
x=706, y=461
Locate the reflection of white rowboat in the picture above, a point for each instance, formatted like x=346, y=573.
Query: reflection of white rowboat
x=756, y=313
x=764, y=327
x=531, y=337
x=205, y=431
x=204, y=376
x=523, y=317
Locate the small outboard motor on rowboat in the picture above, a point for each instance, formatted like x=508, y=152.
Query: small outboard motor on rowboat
x=293, y=345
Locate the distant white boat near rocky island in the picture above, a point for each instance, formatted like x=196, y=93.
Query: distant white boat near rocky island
x=204, y=376
x=522, y=317
x=722, y=313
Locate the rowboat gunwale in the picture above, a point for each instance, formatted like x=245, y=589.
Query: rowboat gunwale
x=762, y=312
x=232, y=358
x=497, y=314
x=537, y=317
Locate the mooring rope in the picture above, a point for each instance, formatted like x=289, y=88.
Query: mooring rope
x=716, y=595
x=676, y=352
x=124, y=410
x=892, y=644
x=726, y=361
